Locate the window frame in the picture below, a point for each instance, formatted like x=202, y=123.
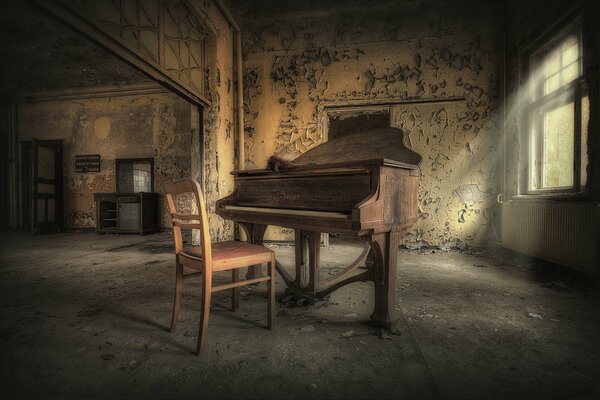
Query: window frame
x=537, y=102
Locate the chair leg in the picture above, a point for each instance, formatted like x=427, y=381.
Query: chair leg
x=235, y=292
x=271, y=293
x=205, y=310
x=177, y=300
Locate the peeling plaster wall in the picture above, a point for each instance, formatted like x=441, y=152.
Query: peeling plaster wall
x=173, y=124
x=157, y=126
x=219, y=120
x=301, y=59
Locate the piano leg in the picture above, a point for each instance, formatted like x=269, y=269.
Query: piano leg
x=308, y=253
x=301, y=258
x=255, y=234
x=384, y=247
x=314, y=258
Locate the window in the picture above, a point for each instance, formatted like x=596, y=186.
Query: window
x=557, y=116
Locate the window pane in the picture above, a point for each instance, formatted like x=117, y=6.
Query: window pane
x=552, y=84
x=557, y=163
x=570, y=54
x=534, y=162
x=552, y=63
x=569, y=73
x=45, y=163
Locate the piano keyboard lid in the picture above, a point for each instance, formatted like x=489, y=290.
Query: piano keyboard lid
x=377, y=146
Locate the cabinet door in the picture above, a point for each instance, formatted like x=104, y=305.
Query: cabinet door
x=129, y=216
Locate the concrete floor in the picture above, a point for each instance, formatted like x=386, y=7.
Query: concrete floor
x=86, y=316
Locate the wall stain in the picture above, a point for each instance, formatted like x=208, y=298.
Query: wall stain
x=297, y=64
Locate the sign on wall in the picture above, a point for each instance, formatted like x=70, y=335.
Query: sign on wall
x=87, y=163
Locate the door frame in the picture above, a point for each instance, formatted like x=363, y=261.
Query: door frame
x=25, y=185
x=29, y=189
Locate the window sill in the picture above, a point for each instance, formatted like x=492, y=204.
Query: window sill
x=582, y=196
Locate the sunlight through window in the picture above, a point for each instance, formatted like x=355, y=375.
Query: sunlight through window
x=558, y=112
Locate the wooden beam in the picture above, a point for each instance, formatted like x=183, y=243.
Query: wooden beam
x=88, y=29
x=137, y=89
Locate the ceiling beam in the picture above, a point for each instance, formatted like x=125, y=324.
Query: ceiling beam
x=85, y=27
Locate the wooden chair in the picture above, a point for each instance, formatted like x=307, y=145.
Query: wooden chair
x=208, y=258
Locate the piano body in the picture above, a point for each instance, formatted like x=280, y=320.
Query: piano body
x=362, y=184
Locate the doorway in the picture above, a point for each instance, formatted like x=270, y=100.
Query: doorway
x=42, y=186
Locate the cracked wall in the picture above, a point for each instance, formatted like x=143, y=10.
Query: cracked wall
x=154, y=126
x=185, y=141
x=219, y=132
x=301, y=59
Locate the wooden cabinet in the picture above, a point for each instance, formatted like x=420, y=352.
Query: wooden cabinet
x=126, y=212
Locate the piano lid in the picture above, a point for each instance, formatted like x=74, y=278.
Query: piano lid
x=385, y=144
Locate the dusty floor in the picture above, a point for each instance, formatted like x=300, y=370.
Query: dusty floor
x=85, y=316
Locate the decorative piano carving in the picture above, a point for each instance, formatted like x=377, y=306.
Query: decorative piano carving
x=364, y=184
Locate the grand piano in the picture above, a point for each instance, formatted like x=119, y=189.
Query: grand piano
x=363, y=185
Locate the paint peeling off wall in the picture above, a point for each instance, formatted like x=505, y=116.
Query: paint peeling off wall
x=219, y=132
x=152, y=126
x=459, y=174
x=300, y=60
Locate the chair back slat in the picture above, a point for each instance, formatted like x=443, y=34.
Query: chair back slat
x=186, y=217
x=187, y=225
x=189, y=221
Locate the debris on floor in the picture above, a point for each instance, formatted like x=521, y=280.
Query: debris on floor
x=536, y=315
x=307, y=328
x=109, y=327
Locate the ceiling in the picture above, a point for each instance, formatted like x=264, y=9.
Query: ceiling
x=286, y=6
x=42, y=54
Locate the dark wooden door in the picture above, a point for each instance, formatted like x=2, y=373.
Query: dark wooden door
x=4, y=181
x=47, y=186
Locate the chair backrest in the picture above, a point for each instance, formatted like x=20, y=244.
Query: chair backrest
x=190, y=221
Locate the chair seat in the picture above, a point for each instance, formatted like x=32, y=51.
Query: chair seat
x=230, y=254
